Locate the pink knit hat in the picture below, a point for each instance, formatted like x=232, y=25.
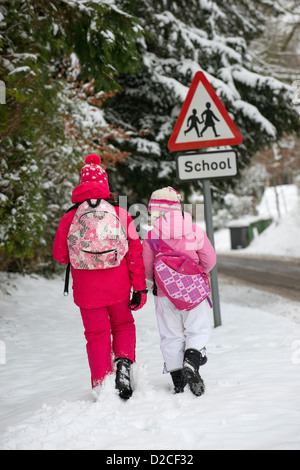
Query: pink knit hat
x=92, y=172
x=165, y=200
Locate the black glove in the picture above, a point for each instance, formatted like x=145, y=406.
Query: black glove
x=138, y=299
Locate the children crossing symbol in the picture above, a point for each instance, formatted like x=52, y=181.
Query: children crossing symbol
x=210, y=119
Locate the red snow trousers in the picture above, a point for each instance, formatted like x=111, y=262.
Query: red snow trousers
x=108, y=331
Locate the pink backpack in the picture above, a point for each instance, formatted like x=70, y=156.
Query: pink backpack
x=96, y=238
x=181, y=278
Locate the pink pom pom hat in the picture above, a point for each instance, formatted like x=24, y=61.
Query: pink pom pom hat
x=94, y=177
x=92, y=171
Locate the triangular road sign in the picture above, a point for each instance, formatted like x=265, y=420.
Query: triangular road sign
x=203, y=121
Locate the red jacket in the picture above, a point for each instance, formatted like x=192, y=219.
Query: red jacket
x=100, y=288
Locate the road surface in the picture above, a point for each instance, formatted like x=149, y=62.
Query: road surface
x=274, y=275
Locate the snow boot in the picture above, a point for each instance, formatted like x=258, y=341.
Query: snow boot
x=123, y=383
x=179, y=381
x=191, y=363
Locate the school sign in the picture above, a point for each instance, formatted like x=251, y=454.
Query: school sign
x=203, y=121
x=208, y=165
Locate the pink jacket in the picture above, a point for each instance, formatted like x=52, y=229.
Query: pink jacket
x=181, y=235
x=100, y=288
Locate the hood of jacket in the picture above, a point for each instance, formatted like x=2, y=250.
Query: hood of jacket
x=89, y=190
x=174, y=225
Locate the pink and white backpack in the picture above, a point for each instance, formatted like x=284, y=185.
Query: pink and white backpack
x=96, y=238
x=182, y=279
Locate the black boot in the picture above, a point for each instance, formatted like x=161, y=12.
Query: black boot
x=191, y=363
x=123, y=383
x=179, y=381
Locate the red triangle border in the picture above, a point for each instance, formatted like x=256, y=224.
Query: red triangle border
x=236, y=140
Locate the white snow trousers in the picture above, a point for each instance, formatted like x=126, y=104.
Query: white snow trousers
x=180, y=330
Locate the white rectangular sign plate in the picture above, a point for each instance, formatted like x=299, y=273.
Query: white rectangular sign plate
x=207, y=165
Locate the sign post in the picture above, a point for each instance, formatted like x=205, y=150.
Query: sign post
x=210, y=234
x=202, y=123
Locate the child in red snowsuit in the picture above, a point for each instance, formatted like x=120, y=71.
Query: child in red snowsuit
x=103, y=295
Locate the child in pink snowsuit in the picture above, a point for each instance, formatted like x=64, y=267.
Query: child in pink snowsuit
x=103, y=295
x=184, y=334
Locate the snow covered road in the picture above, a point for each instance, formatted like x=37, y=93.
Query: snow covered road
x=277, y=275
x=252, y=378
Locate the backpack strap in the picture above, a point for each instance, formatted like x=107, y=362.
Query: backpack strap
x=158, y=245
x=67, y=277
x=67, y=274
x=155, y=246
x=93, y=205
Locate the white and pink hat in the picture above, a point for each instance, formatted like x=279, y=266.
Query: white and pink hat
x=165, y=200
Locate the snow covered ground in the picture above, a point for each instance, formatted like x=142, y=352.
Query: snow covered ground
x=252, y=376
x=282, y=237
x=252, y=379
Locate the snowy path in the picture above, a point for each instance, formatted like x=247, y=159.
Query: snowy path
x=252, y=378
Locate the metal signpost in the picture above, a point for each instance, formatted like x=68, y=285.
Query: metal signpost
x=210, y=234
x=202, y=123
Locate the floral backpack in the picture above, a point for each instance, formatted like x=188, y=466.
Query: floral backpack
x=182, y=279
x=96, y=238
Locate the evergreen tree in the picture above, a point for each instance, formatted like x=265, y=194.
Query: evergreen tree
x=181, y=39
x=39, y=154
x=277, y=50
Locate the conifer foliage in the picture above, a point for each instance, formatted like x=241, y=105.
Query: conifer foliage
x=110, y=77
x=59, y=60
x=182, y=38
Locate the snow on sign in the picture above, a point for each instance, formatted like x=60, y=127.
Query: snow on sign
x=203, y=121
